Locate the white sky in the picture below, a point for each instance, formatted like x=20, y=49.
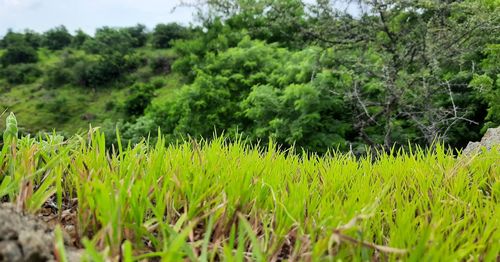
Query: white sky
x=41, y=15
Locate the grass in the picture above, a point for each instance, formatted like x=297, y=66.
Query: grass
x=221, y=200
x=70, y=109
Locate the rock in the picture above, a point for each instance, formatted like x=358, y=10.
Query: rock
x=491, y=138
x=88, y=117
x=26, y=238
x=10, y=251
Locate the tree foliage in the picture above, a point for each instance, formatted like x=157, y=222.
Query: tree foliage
x=163, y=34
x=18, y=53
x=57, y=38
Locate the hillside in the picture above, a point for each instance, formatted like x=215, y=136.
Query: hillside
x=306, y=76
x=69, y=108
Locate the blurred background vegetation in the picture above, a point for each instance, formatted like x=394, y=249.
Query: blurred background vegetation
x=305, y=74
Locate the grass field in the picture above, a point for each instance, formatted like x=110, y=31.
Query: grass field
x=220, y=200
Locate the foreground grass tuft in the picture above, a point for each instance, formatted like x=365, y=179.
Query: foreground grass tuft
x=206, y=201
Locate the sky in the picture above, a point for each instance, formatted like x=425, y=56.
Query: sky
x=41, y=15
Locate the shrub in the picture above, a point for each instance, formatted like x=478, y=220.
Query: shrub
x=57, y=38
x=160, y=64
x=163, y=34
x=33, y=38
x=60, y=110
x=139, y=99
x=110, y=105
x=29, y=37
x=57, y=76
x=158, y=82
x=79, y=38
x=21, y=73
x=11, y=38
x=18, y=54
x=134, y=61
x=139, y=35
x=109, y=40
x=106, y=69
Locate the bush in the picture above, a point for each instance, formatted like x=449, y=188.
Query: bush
x=21, y=73
x=29, y=37
x=57, y=38
x=108, y=40
x=158, y=82
x=110, y=105
x=33, y=38
x=11, y=38
x=139, y=99
x=138, y=34
x=82, y=71
x=57, y=76
x=89, y=73
x=79, y=38
x=134, y=61
x=107, y=69
x=160, y=64
x=60, y=110
x=19, y=54
x=163, y=34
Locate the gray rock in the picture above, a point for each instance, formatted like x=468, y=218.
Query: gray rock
x=491, y=138
x=24, y=237
x=10, y=251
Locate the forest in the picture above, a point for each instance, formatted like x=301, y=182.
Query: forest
x=266, y=130
x=310, y=76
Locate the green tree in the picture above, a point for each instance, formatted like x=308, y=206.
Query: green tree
x=139, y=35
x=139, y=98
x=408, y=65
x=79, y=38
x=163, y=34
x=12, y=38
x=57, y=38
x=109, y=40
x=33, y=38
x=18, y=53
x=21, y=73
x=263, y=91
x=274, y=21
x=487, y=85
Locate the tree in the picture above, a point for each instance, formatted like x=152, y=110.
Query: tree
x=18, y=53
x=28, y=37
x=21, y=73
x=79, y=38
x=486, y=83
x=33, y=38
x=109, y=40
x=139, y=99
x=262, y=91
x=139, y=35
x=274, y=21
x=408, y=64
x=12, y=38
x=57, y=38
x=163, y=34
